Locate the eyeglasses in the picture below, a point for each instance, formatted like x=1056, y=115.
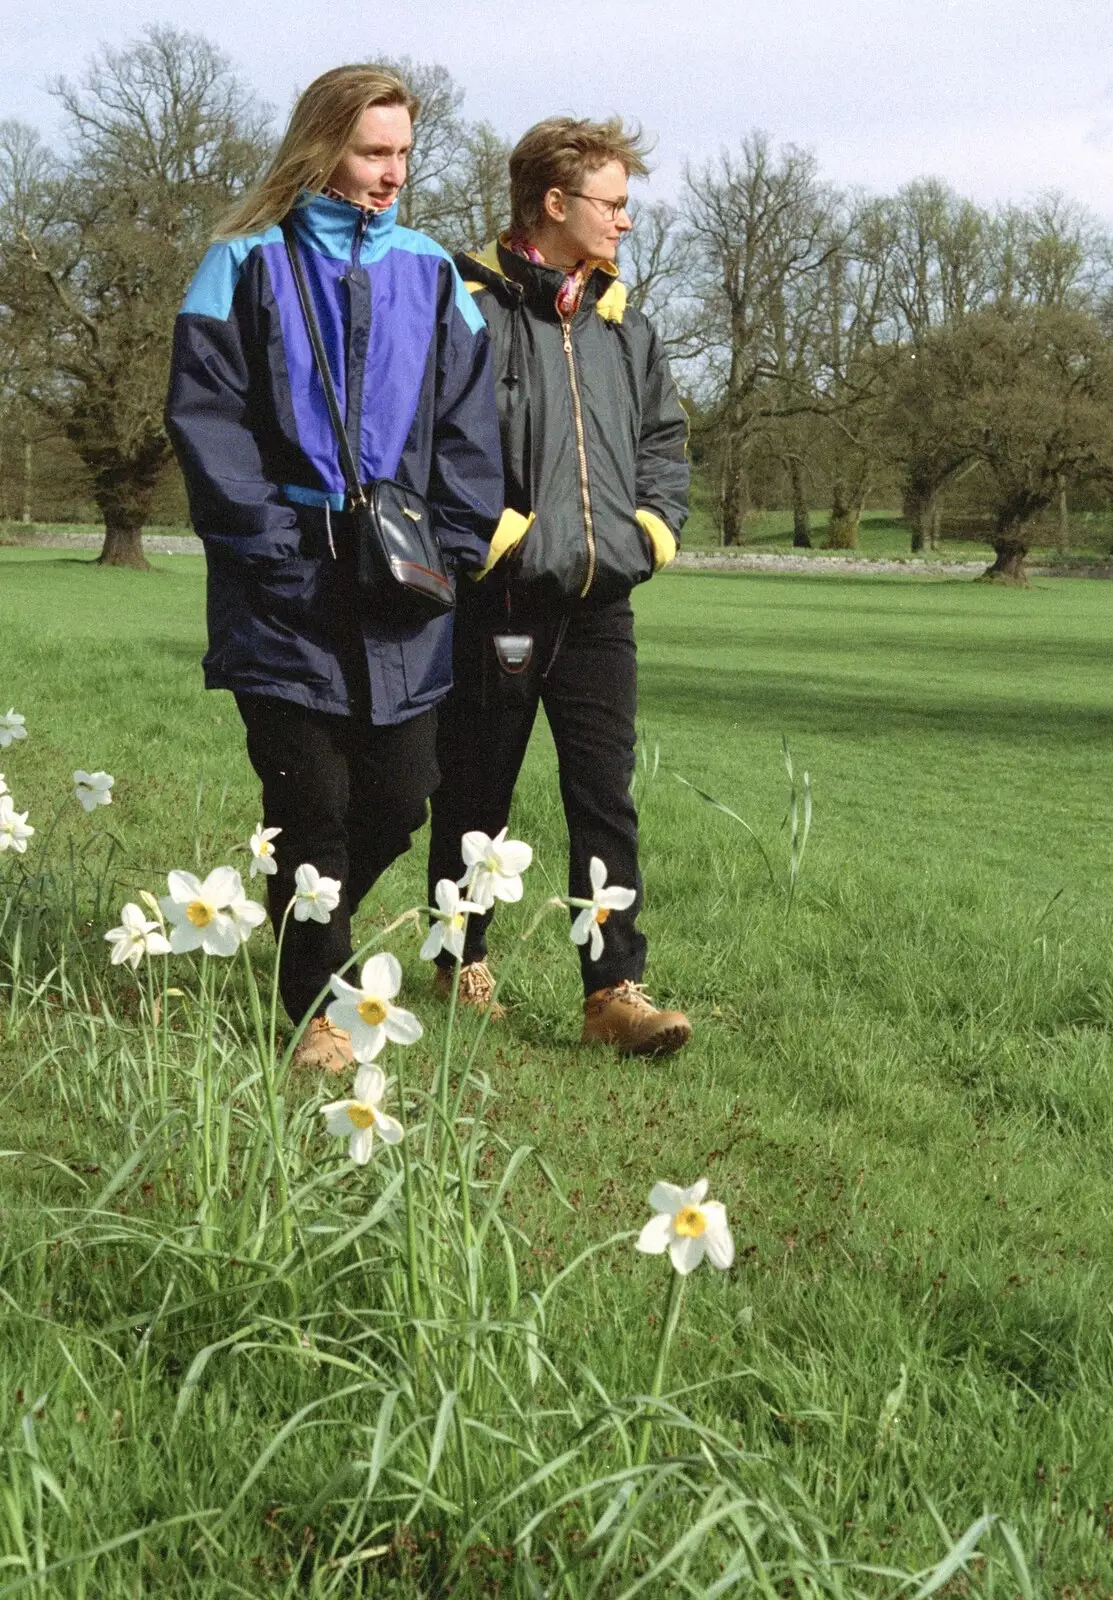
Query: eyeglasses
x=612, y=209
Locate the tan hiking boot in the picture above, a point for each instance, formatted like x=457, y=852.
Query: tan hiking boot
x=323, y=1048
x=477, y=985
x=626, y=1017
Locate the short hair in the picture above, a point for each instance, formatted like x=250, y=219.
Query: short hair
x=559, y=153
x=322, y=125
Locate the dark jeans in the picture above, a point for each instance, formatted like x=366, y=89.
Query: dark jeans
x=584, y=672
x=347, y=795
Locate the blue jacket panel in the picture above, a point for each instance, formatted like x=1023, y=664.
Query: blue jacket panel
x=410, y=359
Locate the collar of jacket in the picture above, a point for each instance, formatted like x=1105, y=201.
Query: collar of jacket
x=331, y=226
x=513, y=277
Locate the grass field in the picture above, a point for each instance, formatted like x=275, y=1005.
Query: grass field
x=900, y=1089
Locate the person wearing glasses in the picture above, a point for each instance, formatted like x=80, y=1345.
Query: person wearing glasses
x=595, y=464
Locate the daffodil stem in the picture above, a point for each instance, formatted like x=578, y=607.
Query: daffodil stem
x=668, y=1328
x=266, y=1061
x=277, y=969
x=412, y=1273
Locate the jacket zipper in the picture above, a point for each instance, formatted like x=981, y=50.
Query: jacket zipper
x=585, y=491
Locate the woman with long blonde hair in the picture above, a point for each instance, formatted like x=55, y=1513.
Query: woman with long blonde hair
x=337, y=700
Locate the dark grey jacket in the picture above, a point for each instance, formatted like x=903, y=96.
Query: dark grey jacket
x=592, y=433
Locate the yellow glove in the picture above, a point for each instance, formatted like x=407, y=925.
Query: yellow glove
x=512, y=528
x=660, y=536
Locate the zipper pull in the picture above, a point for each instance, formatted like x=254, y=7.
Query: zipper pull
x=567, y=327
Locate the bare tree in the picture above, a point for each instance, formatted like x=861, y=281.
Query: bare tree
x=756, y=227
x=96, y=250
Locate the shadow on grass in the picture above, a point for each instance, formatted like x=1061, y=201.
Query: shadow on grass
x=808, y=704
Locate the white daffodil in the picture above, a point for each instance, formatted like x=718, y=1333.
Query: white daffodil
x=589, y=923
x=687, y=1227
x=367, y=1014
x=316, y=897
x=11, y=728
x=262, y=851
x=495, y=867
x=210, y=915
x=135, y=938
x=15, y=830
x=359, y=1119
x=449, y=922
x=3, y=785
x=93, y=788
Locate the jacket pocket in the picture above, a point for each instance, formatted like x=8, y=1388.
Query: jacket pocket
x=427, y=662
x=288, y=591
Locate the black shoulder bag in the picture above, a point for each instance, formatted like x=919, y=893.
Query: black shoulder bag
x=399, y=562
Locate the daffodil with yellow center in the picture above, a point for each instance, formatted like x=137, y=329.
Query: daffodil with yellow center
x=262, y=851
x=688, y=1226
x=594, y=912
x=215, y=916
x=366, y=1012
x=449, y=921
x=359, y=1119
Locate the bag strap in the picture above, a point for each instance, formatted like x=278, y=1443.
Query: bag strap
x=347, y=460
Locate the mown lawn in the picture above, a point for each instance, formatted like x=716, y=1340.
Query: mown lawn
x=901, y=1089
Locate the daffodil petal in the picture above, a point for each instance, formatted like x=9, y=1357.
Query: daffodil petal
x=653, y=1240
x=370, y=1085
x=433, y=941
x=221, y=887
x=337, y=1120
x=719, y=1244
x=402, y=1027
x=390, y=1130
x=447, y=896
x=686, y=1254
x=597, y=873
x=581, y=928
x=617, y=899
x=381, y=976
x=697, y=1191
x=474, y=847
x=514, y=857
x=360, y=1145
x=183, y=886
x=667, y=1197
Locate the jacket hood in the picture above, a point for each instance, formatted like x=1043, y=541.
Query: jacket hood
x=512, y=277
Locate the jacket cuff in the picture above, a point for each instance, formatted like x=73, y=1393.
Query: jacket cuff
x=660, y=536
x=512, y=528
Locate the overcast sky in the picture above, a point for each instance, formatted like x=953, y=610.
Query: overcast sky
x=1002, y=98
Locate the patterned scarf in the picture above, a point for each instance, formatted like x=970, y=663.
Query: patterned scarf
x=571, y=291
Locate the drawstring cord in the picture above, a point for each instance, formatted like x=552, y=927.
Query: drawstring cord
x=328, y=528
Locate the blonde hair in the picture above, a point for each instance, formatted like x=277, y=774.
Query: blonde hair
x=322, y=125
x=559, y=153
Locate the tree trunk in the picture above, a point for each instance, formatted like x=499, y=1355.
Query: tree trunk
x=27, y=466
x=801, y=516
x=734, y=495
x=920, y=510
x=1062, y=532
x=842, y=524
x=124, y=515
x=1011, y=544
x=937, y=524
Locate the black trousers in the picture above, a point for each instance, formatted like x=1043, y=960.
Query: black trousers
x=347, y=796
x=583, y=672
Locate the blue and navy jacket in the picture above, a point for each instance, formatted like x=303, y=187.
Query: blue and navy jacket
x=410, y=358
